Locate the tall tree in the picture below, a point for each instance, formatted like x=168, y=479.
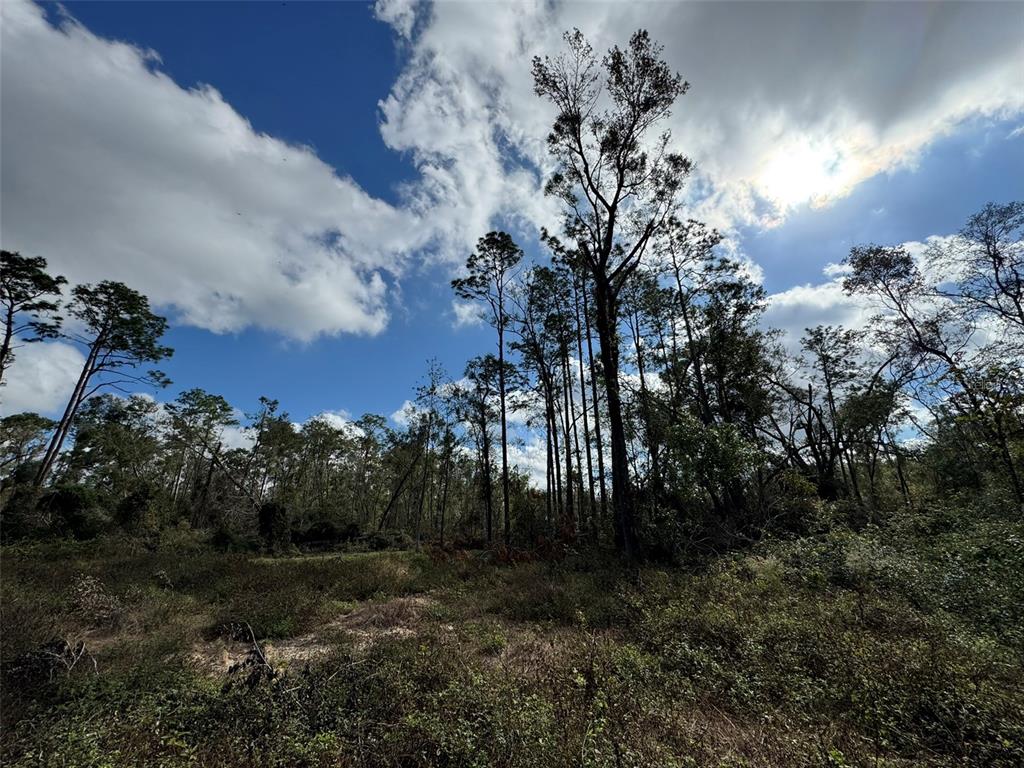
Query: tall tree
x=117, y=446
x=476, y=409
x=197, y=421
x=987, y=260
x=428, y=397
x=834, y=365
x=934, y=338
x=540, y=300
x=619, y=185
x=27, y=302
x=492, y=269
x=119, y=334
x=22, y=439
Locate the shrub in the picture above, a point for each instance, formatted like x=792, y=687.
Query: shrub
x=91, y=602
x=72, y=510
x=326, y=534
x=134, y=513
x=274, y=526
x=381, y=540
x=19, y=518
x=227, y=539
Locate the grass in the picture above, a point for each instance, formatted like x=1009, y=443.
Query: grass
x=895, y=646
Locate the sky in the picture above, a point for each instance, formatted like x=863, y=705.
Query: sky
x=295, y=184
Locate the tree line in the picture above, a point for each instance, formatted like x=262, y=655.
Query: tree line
x=672, y=420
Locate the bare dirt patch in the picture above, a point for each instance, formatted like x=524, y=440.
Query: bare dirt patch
x=367, y=625
x=398, y=618
x=218, y=657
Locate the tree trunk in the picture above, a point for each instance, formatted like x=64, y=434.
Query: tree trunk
x=64, y=426
x=485, y=449
x=583, y=402
x=444, y=492
x=622, y=492
x=5, y=349
x=569, y=518
x=556, y=461
x=645, y=408
x=596, y=401
x=504, y=429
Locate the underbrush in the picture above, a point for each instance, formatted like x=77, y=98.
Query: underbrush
x=895, y=645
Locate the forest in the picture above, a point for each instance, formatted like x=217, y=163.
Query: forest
x=741, y=549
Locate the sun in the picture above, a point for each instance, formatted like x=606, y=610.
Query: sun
x=803, y=172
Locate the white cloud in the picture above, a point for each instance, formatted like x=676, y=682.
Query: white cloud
x=531, y=458
x=790, y=103
x=41, y=379
x=236, y=436
x=339, y=419
x=406, y=413
x=832, y=269
x=400, y=14
x=806, y=306
x=112, y=170
x=466, y=313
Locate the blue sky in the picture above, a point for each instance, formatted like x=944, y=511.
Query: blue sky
x=308, y=73
x=411, y=130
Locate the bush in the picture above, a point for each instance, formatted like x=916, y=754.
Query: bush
x=18, y=516
x=134, y=513
x=27, y=623
x=72, y=510
x=381, y=540
x=227, y=539
x=793, y=505
x=326, y=534
x=275, y=526
x=93, y=604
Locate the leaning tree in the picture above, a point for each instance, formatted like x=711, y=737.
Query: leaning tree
x=119, y=334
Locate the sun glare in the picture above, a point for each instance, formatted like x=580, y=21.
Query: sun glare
x=801, y=173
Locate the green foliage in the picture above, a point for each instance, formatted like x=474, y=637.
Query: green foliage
x=275, y=526
x=72, y=510
x=899, y=644
x=378, y=541
x=28, y=303
x=121, y=322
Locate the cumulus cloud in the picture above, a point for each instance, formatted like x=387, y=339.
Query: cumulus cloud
x=236, y=436
x=398, y=13
x=806, y=306
x=449, y=112
x=41, y=378
x=339, y=419
x=530, y=457
x=112, y=170
x=406, y=413
x=790, y=104
x=466, y=313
